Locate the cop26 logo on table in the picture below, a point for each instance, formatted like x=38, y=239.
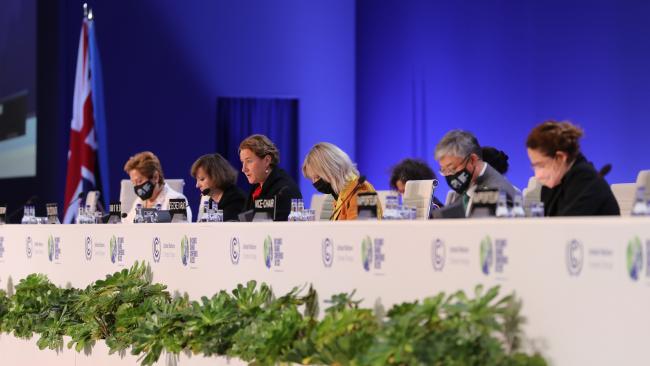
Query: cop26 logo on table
x=634, y=258
x=112, y=247
x=185, y=250
x=486, y=255
x=366, y=253
x=268, y=251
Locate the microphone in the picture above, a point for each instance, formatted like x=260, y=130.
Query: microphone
x=275, y=208
x=605, y=170
x=206, y=192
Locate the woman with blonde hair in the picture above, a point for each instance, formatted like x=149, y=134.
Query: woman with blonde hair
x=332, y=172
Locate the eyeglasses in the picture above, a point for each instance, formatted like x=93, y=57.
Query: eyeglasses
x=449, y=171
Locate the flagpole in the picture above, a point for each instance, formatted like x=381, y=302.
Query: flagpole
x=87, y=155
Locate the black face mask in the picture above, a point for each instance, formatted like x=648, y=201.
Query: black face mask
x=460, y=181
x=144, y=190
x=324, y=187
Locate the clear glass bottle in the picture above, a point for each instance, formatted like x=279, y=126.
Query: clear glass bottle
x=293, y=214
x=218, y=215
x=301, y=210
x=518, y=206
x=32, y=216
x=502, y=205
x=27, y=213
x=205, y=217
x=640, y=207
x=537, y=209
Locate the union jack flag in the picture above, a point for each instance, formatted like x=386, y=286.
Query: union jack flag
x=87, y=155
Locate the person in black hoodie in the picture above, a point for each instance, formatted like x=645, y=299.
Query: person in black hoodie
x=571, y=186
x=217, y=179
x=260, y=158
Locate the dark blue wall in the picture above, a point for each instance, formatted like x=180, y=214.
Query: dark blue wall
x=166, y=62
x=497, y=68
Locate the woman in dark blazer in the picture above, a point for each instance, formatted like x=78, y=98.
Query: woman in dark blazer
x=216, y=178
x=571, y=185
x=260, y=157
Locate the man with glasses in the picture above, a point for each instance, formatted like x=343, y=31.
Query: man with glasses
x=461, y=164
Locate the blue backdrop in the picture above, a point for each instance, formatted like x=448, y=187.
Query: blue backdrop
x=382, y=79
x=277, y=118
x=497, y=68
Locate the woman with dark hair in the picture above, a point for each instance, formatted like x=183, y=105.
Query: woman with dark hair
x=496, y=158
x=217, y=179
x=571, y=185
x=260, y=158
x=411, y=169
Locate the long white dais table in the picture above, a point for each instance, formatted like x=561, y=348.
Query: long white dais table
x=585, y=282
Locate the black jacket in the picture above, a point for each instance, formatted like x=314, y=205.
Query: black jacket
x=279, y=184
x=582, y=192
x=232, y=203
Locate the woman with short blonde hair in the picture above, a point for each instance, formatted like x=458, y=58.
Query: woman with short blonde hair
x=332, y=172
x=329, y=162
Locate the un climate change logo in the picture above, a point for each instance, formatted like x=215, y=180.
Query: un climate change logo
x=29, y=247
x=156, y=249
x=486, y=255
x=634, y=258
x=88, y=248
x=112, y=247
x=185, y=250
x=366, y=253
x=574, y=257
x=235, y=250
x=438, y=254
x=327, y=252
x=268, y=251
